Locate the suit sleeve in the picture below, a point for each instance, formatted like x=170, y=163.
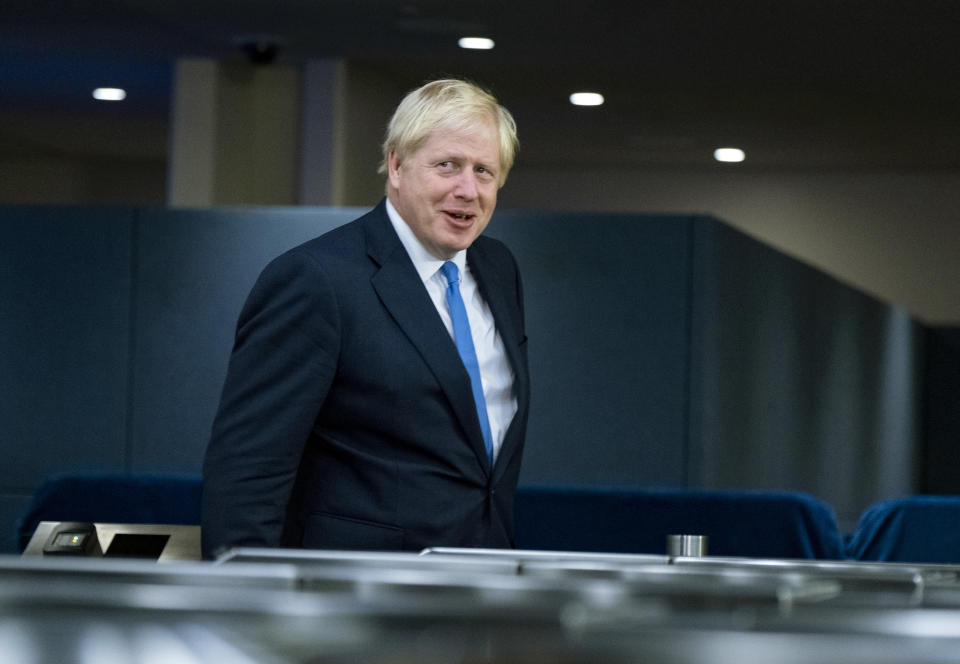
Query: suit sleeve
x=283, y=362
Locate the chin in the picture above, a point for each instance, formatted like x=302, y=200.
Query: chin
x=459, y=243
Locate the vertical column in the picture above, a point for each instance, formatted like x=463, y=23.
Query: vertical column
x=371, y=96
x=322, y=133
x=193, y=124
x=246, y=134
x=346, y=107
x=235, y=132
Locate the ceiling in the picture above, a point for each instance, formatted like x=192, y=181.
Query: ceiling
x=814, y=84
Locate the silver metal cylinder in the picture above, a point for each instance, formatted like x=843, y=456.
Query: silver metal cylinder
x=690, y=546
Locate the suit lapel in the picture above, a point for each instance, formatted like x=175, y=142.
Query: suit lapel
x=507, y=318
x=401, y=291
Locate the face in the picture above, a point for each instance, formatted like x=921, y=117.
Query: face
x=446, y=190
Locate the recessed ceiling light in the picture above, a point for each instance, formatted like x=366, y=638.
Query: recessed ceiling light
x=586, y=99
x=731, y=155
x=110, y=94
x=476, y=43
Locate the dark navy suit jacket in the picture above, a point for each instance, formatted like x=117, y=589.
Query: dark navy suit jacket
x=347, y=419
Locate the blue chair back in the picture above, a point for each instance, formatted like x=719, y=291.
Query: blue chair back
x=749, y=524
x=912, y=529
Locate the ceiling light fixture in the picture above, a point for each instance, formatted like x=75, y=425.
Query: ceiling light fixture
x=729, y=155
x=586, y=99
x=110, y=94
x=476, y=43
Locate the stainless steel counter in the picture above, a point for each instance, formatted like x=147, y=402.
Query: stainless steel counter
x=292, y=607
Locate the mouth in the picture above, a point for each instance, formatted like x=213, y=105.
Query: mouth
x=459, y=217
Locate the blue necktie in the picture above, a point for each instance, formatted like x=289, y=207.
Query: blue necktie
x=461, y=335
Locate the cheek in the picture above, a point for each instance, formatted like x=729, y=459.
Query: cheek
x=433, y=192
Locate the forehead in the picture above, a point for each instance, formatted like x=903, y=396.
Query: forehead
x=478, y=140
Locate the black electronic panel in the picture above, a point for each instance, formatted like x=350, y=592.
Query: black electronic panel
x=130, y=545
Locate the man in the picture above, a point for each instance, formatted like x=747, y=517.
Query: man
x=349, y=419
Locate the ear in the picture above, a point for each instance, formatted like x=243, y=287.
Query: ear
x=393, y=169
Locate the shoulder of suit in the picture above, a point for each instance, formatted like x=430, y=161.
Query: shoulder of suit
x=340, y=241
x=337, y=253
x=493, y=250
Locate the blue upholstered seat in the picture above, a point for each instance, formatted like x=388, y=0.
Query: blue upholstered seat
x=113, y=499
x=913, y=529
x=754, y=524
x=750, y=524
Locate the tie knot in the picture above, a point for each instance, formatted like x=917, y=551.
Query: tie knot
x=451, y=273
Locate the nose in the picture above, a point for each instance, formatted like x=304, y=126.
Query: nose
x=466, y=185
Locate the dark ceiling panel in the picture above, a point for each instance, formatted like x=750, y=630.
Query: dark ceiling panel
x=805, y=83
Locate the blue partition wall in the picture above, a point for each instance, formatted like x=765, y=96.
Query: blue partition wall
x=65, y=335
x=193, y=272
x=799, y=381
x=666, y=351
x=608, y=312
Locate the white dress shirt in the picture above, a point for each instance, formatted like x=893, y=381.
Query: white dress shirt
x=496, y=375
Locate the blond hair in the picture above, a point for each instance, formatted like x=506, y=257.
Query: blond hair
x=449, y=104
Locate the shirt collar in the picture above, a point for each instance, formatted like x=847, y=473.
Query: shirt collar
x=426, y=263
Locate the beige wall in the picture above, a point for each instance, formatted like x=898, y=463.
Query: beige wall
x=371, y=96
x=100, y=156
x=81, y=180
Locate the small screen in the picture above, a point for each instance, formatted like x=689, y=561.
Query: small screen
x=70, y=540
x=126, y=545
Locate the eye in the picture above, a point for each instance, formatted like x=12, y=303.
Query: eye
x=484, y=173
